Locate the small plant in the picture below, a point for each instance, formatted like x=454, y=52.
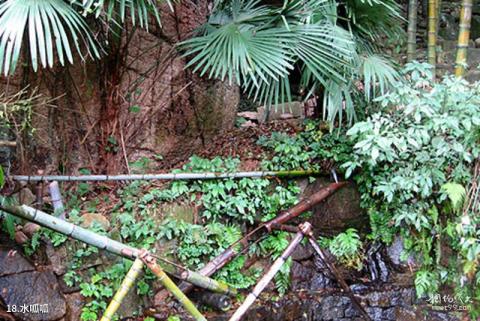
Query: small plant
x=347, y=248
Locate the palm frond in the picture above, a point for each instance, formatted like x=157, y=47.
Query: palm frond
x=378, y=75
x=50, y=25
x=326, y=50
x=140, y=10
x=338, y=103
x=239, y=52
x=373, y=19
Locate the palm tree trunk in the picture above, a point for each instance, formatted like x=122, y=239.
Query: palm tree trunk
x=463, y=37
x=412, y=29
x=432, y=33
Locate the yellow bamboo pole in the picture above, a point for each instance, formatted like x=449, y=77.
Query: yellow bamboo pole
x=463, y=37
x=126, y=285
x=171, y=286
x=432, y=33
x=412, y=30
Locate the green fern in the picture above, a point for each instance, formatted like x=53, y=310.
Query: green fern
x=456, y=193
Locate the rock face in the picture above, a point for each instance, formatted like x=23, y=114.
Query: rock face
x=338, y=212
x=12, y=262
x=164, y=108
x=33, y=295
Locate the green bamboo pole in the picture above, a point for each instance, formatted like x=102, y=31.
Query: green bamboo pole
x=167, y=176
x=412, y=30
x=126, y=285
x=463, y=37
x=172, y=287
x=104, y=243
x=432, y=34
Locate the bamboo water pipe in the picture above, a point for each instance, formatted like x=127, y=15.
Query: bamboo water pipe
x=339, y=278
x=126, y=285
x=229, y=254
x=305, y=228
x=57, y=202
x=104, y=243
x=171, y=286
x=166, y=176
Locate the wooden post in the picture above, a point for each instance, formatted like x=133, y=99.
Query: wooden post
x=412, y=30
x=463, y=37
x=126, y=285
x=305, y=228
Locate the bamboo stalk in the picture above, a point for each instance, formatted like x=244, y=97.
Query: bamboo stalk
x=167, y=176
x=229, y=254
x=432, y=34
x=412, y=30
x=463, y=37
x=56, y=196
x=339, y=277
x=104, y=243
x=126, y=285
x=171, y=286
x=6, y=143
x=262, y=284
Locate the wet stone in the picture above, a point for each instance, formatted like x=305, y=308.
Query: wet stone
x=375, y=313
x=333, y=308
x=301, y=276
x=302, y=252
x=380, y=299
x=33, y=291
x=13, y=262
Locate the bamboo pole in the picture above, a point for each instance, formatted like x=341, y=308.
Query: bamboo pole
x=104, y=243
x=432, y=34
x=338, y=276
x=171, y=286
x=229, y=254
x=167, y=176
x=262, y=284
x=57, y=203
x=412, y=30
x=126, y=285
x=463, y=37
x=6, y=143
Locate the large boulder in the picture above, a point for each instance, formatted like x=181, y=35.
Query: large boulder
x=33, y=296
x=12, y=262
x=339, y=211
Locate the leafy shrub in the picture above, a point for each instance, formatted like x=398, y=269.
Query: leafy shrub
x=347, y=248
x=415, y=157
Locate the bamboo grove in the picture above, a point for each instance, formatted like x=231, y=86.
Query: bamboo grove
x=434, y=10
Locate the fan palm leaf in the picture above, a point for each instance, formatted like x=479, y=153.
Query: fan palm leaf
x=50, y=25
x=140, y=10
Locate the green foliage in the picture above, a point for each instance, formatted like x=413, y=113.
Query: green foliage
x=456, y=193
x=225, y=205
x=258, y=45
x=307, y=149
x=347, y=248
x=53, y=28
x=416, y=156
